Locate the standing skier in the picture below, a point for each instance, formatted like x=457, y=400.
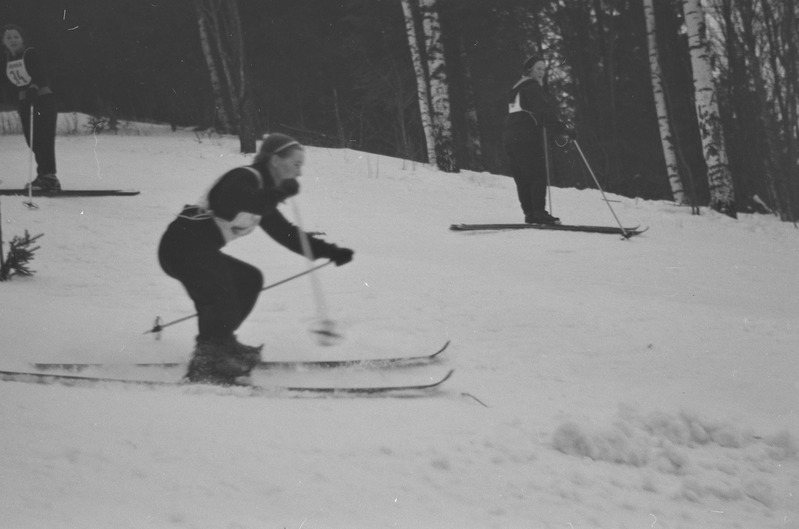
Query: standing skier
x=531, y=110
x=224, y=289
x=25, y=69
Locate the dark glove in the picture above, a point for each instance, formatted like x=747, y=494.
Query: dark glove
x=31, y=94
x=287, y=188
x=566, y=136
x=340, y=256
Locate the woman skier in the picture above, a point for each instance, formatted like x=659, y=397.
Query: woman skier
x=26, y=70
x=530, y=111
x=224, y=289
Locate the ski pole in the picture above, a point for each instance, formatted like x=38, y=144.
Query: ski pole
x=2, y=259
x=326, y=331
x=158, y=327
x=549, y=179
x=29, y=204
x=604, y=198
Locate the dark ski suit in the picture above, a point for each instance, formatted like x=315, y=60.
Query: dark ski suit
x=530, y=110
x=29, y=73
x=224, y=289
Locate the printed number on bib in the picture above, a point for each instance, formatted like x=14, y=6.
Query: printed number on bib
x=17, y=74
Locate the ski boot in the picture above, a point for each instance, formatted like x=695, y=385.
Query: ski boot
x=541, y=217
x=224, y=363
x=46, y=183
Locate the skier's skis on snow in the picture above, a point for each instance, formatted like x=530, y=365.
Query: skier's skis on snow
x=78, y=380
x=74, y=193
x=397, y=361
x=627, y=232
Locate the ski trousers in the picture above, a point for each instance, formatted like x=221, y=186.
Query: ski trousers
x=529, y=171
x=45, y=117
x=224, y=289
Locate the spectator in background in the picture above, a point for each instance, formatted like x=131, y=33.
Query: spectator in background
x=531, y=110
x=26, y=70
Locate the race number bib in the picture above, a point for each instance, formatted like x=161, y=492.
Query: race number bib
x=16, y=72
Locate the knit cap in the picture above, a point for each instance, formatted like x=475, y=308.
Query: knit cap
x=275, y=143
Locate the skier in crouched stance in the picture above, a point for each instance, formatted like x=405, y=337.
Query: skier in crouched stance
x=224, y=289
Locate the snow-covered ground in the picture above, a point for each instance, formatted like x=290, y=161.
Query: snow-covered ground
x=599, y=383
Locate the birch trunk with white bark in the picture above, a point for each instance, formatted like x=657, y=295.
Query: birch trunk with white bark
x=666, y=138
x=422, y=87
x=439, y=88
x=722, y=195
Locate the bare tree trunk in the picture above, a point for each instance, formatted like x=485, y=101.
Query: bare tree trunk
x=422, y=87
x=219, y=91
x=221, y=33
x=473, y=145
x=439, y=88
x=779, y=21
x=666, y=139
x=722, y=196
x=791, y=31
x=403, y=102
x=342, y=136
x=765, y=115
x=610, y=78
x=246, y=108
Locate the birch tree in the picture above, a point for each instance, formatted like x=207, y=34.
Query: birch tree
x=439, y=88
x=222, y=113
x=422, y=87
x=666, y=139
x=222, y=40
x=722, y=196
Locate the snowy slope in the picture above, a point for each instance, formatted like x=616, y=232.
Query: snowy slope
x=599, y=382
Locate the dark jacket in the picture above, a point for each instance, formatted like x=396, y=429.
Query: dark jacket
x=250, y=188
x=27, y=71
x=247, y=189
x=530, y=109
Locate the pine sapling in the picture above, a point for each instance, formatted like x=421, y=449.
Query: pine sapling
x=20, y=254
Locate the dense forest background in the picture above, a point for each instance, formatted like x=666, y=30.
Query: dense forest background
x=339, y=73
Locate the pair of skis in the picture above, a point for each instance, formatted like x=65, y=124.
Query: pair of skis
x=624, y=232
x=73, y=193
x=44, y=375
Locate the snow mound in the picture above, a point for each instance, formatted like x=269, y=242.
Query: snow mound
x=710, y=458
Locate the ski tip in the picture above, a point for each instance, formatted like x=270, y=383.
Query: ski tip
x=446, y=377
x=629, y=233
